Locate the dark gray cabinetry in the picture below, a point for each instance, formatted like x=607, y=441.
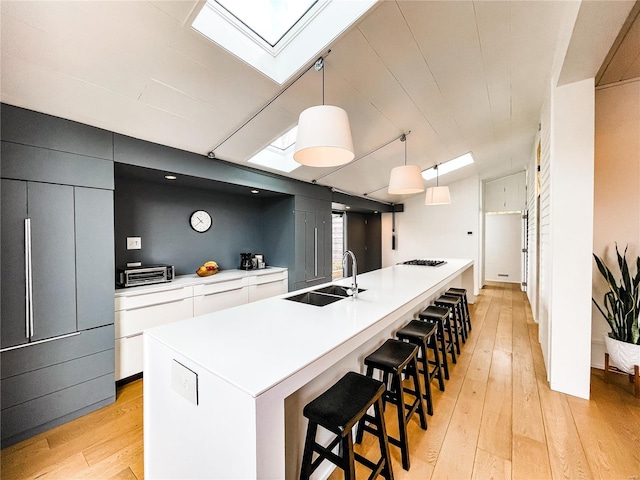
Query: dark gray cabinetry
x=313, y=245
x=38, y=218
x=94, y=257
x=57, y=261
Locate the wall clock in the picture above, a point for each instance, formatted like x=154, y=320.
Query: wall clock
x=200, y=221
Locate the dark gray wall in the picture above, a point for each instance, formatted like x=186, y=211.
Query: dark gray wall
x=160, y=215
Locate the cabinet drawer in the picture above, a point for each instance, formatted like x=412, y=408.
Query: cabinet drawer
x=138, y=300
x=213, y=302
x=219, y=287
x=267, y=289
x=129, y=359
x=135, y=320
x=267, y=278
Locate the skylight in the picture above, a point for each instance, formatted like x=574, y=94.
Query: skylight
x=277, y=37
x=269, y=19
x=448, y=167
x=279, y=154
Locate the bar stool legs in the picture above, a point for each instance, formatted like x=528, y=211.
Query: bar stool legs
x=338, y=409
x=423, y=334
x=393, y=358
x=440, y=316
x=454, y=303
x=462, y=293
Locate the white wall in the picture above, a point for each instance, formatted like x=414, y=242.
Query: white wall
x=616, y=192
x=572, y=153
x=437, y=231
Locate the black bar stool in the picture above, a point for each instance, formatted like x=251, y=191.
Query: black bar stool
x=462, y=293
x=457, y=324
x=440, y=316
x=424, y=334
x=393, y=358
x=338, y=410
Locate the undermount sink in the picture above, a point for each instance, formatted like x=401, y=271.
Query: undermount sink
x=336, y=290
x=312, y=298
x=322, y=296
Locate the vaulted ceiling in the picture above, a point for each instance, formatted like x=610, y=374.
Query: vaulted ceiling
x=459, y=75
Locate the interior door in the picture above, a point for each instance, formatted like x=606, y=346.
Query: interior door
x=503, y=247
x=364, y=240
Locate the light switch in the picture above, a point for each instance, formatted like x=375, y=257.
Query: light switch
x=134, y=243
x=184, y=381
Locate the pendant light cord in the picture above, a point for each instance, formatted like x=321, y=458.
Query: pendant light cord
x=323, y=83
x=403, y=138
x=318, y=64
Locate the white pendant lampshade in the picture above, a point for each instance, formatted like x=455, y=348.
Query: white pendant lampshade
x=405, y=180
x=324, y=137
x=437, y=196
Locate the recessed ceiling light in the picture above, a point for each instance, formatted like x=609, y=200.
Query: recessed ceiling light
x=170, y=177
x=347, y=207
x=450, y=166
x=254, y=191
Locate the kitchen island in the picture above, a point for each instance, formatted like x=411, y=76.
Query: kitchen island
x=224, y=392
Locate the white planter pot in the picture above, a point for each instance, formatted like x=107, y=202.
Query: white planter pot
x=622, y=355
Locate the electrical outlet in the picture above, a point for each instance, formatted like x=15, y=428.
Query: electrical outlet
x=184, y=381
x=134, y=243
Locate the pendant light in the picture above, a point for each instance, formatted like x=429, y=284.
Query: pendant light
x=437, y=195
x=406, y=179
x=324, y=134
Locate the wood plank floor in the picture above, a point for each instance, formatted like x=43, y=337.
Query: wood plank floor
x=496, y=419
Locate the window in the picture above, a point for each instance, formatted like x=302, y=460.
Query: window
x=449, y=166
x=277, y=37
x=270, y=20
x=279, y=154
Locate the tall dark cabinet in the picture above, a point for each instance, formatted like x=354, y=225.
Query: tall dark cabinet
x=57, y=257
x=313, y=242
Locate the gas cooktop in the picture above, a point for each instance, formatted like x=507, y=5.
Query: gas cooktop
x=425, y=263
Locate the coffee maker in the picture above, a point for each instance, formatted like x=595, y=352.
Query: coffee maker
x=246, y=261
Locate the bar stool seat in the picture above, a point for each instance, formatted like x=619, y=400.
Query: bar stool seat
x=338, y=409
x=393, y=358
x=440, y=316
x=424, y=334
x=462, y=293
x=455, y=304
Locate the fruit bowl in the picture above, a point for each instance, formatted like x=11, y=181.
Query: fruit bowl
x=209, y=268
x=206, y=273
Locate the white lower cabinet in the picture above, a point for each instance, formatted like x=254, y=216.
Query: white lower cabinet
x=265, y=286
x=218, y=296
x=136, y=310
x=145, y=311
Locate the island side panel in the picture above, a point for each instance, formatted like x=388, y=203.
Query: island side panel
x=215, y=438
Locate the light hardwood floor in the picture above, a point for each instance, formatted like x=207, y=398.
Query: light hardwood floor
x=497, y=419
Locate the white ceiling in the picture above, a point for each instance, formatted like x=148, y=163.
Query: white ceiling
x=460, y=75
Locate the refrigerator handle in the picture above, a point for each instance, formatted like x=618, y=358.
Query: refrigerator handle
x=28, y=279
x=315, y=252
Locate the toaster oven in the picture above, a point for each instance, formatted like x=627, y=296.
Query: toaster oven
x=144, y=275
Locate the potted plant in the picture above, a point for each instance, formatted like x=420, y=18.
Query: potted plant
x=621, y=308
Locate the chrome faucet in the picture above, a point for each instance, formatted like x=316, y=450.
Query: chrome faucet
x=353, y=291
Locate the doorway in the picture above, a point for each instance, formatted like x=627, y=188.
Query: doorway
x=362, y=234
x=503, y=247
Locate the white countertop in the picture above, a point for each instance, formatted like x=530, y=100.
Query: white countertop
x=193, y=279
x=258, y=345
